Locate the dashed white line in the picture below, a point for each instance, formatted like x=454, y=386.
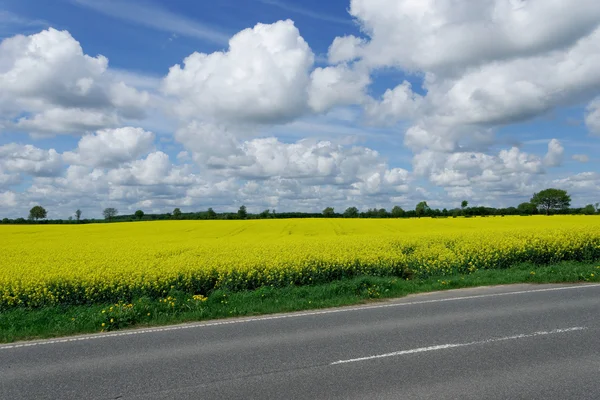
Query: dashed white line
x=454, y=345
x=283, y=316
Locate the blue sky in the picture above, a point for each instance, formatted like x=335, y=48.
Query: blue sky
x=367, y=104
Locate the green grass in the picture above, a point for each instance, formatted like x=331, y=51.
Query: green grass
x=24, y=324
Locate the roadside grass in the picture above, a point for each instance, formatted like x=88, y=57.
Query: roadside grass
x=177, y=307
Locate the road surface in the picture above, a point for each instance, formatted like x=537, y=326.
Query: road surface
x=507, y=342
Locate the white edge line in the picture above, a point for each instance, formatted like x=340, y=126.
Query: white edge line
x=283, y=316
x=454, y=345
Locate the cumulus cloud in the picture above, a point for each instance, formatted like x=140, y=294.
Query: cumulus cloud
x=155, y=169
x=8, y=199
x=510, y=172
x=337, y=86
x=539, y=60
x=582, y=158
x=59, y=88
x=67, y=120
x=263, y=77
x=592, y=119
x=555, y=154
x=444, y=35
x=461, y=71
x=111, y=147
x=313, y=162
x=30, y=160
x=396, y=104
x=345, y=49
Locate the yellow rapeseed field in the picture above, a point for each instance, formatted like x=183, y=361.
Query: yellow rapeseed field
x=78, y=264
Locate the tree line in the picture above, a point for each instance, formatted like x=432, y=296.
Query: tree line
x=549, y=202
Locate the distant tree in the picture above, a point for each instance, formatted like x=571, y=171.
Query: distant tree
x=589, y=210
x=37, y=212
x=351, y=212
x=597, y=206
x=6, y=221
x=445, y=212
x=464, y=204
x=242, y=213
x=397, y=212
x=139, y=214
x=110, y=213
x=177, y=213
x=422, y=209
x=328, y=212
x=78, y=215
x=382, y=213
x=211, y=214
x=551, y=199
x=70, y=218
x=265, y=214
x=526, y=208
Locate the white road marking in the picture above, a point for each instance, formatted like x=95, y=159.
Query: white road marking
x=282, y=316
x=454, y=345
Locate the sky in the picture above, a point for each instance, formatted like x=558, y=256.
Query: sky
x=296, y=105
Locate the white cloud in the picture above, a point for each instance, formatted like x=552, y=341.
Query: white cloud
x=441, y=35
x=237, y=115
x=336, y=86
x=47, y=77
x=483, y=65
x=30, y=160
x=396, y=104
x=111, y=147
x=263, y=77
x=582, y=158
x=8, y=199
x=592, y=119
x=155, y=169
x=345, y=49
x=67, y=120
x=555, y=154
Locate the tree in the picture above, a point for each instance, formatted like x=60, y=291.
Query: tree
x=242, y=213
x=589, y=210
x=464, y=204
x=351, y=212
x=328, y=212
x=37, y=212
x=526, y=209
x=382, y=213
x=397, y=212
x=422, y=209
x=139, y=214
x=597, y=206
x=265, y=214
x=78, y=215
x=551, y=199
x=177, y=213
x=110, y=213
x=211, y=214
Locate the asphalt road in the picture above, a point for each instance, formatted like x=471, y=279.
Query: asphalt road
x=513, y=342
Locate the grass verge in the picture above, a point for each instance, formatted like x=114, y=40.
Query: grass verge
x=178, y=307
